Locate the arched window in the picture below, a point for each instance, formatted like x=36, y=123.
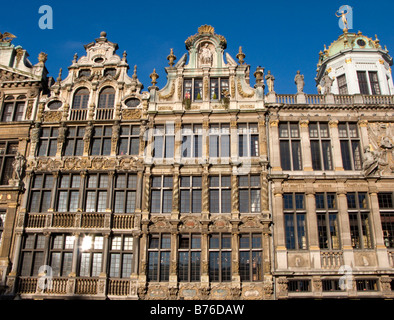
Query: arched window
x=107, y=98
x=81, y=98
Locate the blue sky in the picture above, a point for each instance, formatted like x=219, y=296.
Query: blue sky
x=281, y=36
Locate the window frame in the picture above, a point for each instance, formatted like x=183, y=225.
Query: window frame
x=103, y=140
x=325, y=235
x=93, y=267
x=295, y=241
x=128, y=190
x=219, y=88
x=69, y=190
x=292, y=141
x=387, y=219
x=129, y=138
x=350, y=146
x=249, y=133
x=249, y=188
x=15, y=113
x=222, y=132
x=188, y=273
x=31, y=263
x=106, y=98
x=163, y=141
x=342, y=84
x=74, y=141
x=248, y=274
x=192, y=134
x=218, y=274
x=162, y=273
x=47, y=146
x=7, y=158
x=65, y=249
x=42, y=190
x=221, y=189
x=191, y=189
x=163, y=189
x=97, y=190
x=81, y=99
x=362, y=217
x=122, y=252
x=322, y=159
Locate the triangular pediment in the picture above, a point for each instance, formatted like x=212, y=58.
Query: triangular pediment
x=8, y=74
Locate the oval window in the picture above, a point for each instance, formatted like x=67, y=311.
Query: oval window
x=98, y=60
x=132, y=102
x=54, y=105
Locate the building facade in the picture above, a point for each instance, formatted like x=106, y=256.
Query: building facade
x=208, y=188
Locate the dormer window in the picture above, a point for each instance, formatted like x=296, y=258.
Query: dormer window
x=193, y=89
x=218, y=85
x=84, y=73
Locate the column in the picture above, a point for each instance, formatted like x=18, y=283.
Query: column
x=205, y=139
x=174, y=259
x=175, y=193
x=233, y=138
x=381, y=250
x=17, y=253
x=178, y=141
x=336, y=146
x=313, y=237
x=262, y=138
x=83, y=175
x=75, y=256
x=234, y=195
x=236, y=278
x=205, y=192
x=305, y=145
x=104, y=261
x=348, y=258
x=279, y=227
x=274, y=145
x=363, y=128
x=138, y=196
x=146, y=195
x=204, y=258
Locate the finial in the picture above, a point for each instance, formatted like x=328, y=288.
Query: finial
x=171, y=58
x=59, y=77
x=154, y=76
x=259, y=75
x=75, y=58
x=124, y=55
x=103, y=34
x=134, y=76
x=240, y=56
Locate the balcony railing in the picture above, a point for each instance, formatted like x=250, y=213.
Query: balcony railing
x=331, y=259
x=78, y=114
x=88, y=220
x=317, y=99
x=104, y=114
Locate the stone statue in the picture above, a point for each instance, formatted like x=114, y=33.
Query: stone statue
x=205, y=55
x=270, y=81
x=385, y=142
x=18, y=165
x=88, y=131
x=327, y=83
x=299, y=81
x=6, y=37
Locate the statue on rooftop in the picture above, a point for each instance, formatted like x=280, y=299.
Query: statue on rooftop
x=299, y=81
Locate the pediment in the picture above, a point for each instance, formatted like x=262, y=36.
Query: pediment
x=12, y=75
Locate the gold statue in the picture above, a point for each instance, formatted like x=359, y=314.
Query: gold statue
x=342, y=15
x=6, y=37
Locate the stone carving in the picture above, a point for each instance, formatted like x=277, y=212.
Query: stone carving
x=52, y=116
x=6, y=37
x=379, y=154
x=299, y=81
x=327, y=83
x=170, y=94
x=270, y=81
x=130, y=114
x=19, y=165
x=205, y=55
x=242, y=92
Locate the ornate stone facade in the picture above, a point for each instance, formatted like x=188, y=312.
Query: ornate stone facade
x=207, y=188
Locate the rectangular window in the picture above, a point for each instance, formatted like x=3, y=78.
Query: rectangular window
x=249, y=193
x=40, y=193
x=2, y=223
x=220, y=194
x=360, y=227
x=8, y=151
x=220, y=257
x=329, y=285
x=342, y=84
x=61, y=254
x=159, y=250
x=250, y=257
x=190, y=194
x=320, y=146
x=101, y=141
x=192, y=141
x=217, y=87
x=362, y=82
x=68, y=193
x=125, y=193
x=164, y=141
x=32, y=254
x=367, y=285
x=248, y=140
x=96, y=192
x=327, y=221
x=290, y=146
x=189, y=257
x=129, y=140
x=387, y=217
x=350, y=146
x=91, y=256
x=295, y=221
x=374, y=82
x=74, y=141
x=161, y=194
x=48, y=142
x=121, y=256
x=219, y=140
